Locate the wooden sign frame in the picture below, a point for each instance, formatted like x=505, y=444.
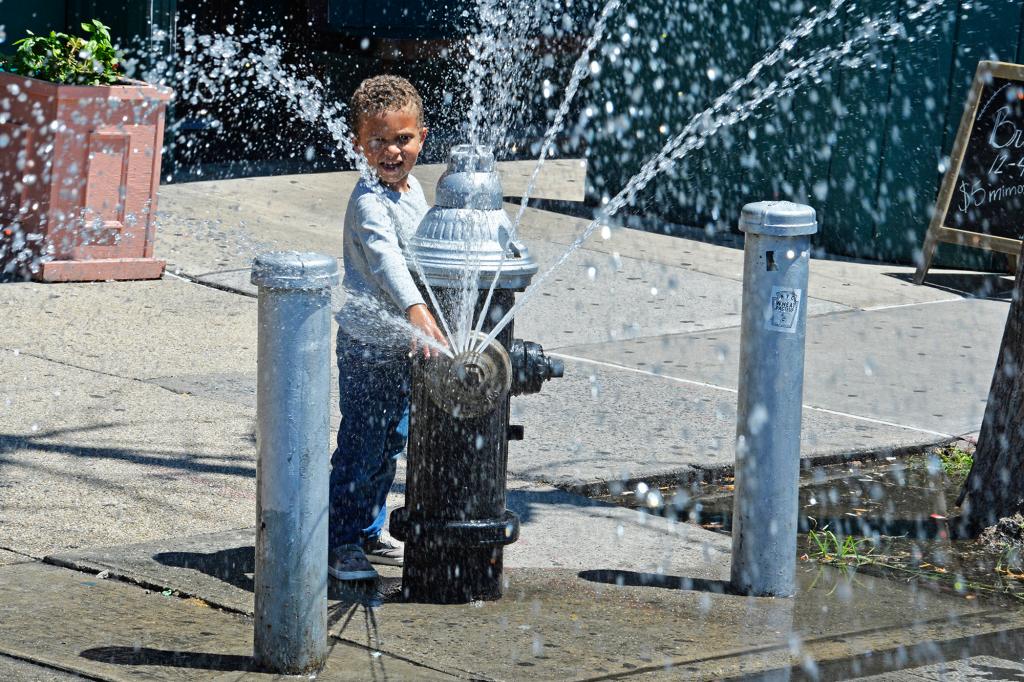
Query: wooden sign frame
x=937, y=230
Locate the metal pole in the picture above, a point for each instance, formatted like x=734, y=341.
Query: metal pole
x=293, y=412
x=771, y=382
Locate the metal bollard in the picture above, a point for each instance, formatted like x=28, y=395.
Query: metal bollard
x=293, y=421
x=771, y=382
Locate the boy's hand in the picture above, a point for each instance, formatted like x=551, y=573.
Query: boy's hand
x=420, y=317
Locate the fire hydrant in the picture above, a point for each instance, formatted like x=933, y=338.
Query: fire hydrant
x=454, y=522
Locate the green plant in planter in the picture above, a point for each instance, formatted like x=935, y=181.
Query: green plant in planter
x=66, y=59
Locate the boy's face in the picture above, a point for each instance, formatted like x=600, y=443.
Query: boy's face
x=391, y=142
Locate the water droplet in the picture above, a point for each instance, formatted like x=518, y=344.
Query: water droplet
x=606, y=232
x=591, y=273
x=757, y=419
x=712, y=73
x=654, y=500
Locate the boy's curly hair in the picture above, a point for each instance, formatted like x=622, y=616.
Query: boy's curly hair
x=382, y=94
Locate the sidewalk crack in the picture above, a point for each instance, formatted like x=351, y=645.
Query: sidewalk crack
x=92, y=370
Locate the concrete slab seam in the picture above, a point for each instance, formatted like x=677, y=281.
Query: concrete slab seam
x=27, y=658
x=405, y=659
x=114, y=573
x=702, y=384
x=882, y=422
x=194, y=279
x=62, y=363
x=594, y=488
x=785, y=646
x=893, y=306
x=28, y=557
x=699, y=473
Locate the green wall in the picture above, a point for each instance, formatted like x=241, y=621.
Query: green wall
x=863, y=145
x=38, y=16
x=127, y=19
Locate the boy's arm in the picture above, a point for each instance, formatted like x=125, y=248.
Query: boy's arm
x=376, y=231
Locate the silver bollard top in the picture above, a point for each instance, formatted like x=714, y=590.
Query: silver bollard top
x=778, y=219
x=294, y=270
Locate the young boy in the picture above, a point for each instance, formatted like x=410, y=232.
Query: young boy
x=387, y=124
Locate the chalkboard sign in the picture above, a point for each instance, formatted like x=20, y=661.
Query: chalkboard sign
x=981, y=201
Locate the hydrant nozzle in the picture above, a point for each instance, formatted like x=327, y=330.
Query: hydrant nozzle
x=472, y=383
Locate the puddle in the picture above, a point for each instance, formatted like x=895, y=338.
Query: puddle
x=895, y=518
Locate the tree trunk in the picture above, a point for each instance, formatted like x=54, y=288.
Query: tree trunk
x=995, y=486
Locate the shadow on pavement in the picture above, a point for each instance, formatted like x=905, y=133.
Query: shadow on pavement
x=522, y=502
x=973, y=284
x=127, y=655
x=950, y=659
x=672, y=582
x=10, y=442
x=234, y=566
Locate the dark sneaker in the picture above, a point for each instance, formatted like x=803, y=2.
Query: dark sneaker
x=384, y=550
x=348, y=562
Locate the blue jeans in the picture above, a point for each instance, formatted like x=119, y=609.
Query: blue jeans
x=374, y=399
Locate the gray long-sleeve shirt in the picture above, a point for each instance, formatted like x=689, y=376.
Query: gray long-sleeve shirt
x=376, y=228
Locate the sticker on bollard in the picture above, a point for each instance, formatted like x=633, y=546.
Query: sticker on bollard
x=785, y=310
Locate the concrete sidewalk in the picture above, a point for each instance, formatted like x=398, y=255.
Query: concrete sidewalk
x=127, y=449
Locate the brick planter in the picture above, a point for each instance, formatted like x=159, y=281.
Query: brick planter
x=79, y=171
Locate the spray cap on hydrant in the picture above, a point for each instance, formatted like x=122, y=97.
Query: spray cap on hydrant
x=468, y=229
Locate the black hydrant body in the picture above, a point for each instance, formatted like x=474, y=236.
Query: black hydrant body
x=454, y=522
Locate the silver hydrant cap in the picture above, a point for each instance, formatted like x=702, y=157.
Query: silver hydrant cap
x=294, y=270
x=467, y=232
x=778, y=219
x=470, y=158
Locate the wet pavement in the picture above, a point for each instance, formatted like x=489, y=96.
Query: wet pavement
x=552, y=624
x=894, y=518
x=127, y=469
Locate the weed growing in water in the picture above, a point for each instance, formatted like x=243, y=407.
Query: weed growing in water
x=829, y=548
x=1010, y=563
x=956, y=462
